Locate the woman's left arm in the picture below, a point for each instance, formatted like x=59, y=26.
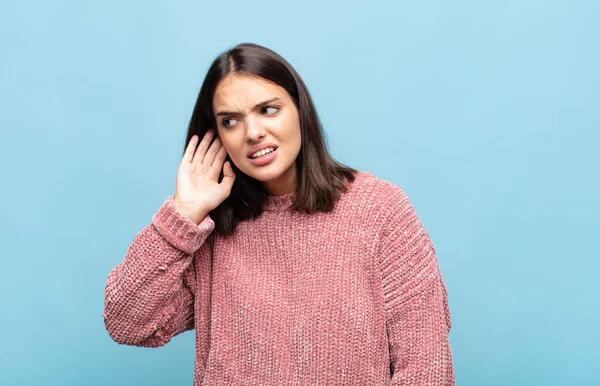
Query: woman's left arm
x=416, y=301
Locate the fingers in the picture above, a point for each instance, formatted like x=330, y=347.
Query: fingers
x=220, y=157
x=189, y=150
x=214, y=157
x=217, y=164
x=228, y=176
x=201, y=150
x=209, y=157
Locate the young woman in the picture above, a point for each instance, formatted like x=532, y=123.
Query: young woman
x=292, y=268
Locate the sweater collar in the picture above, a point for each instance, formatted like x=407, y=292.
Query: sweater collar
x=279, y=203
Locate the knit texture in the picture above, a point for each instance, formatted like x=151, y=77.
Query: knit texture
x=350, y=297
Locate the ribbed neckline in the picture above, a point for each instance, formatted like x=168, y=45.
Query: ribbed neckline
x=283, y=202
x=279, y=203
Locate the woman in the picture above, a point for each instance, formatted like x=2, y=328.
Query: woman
x=291, y=268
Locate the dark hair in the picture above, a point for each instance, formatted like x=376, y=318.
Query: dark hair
x=320, y=179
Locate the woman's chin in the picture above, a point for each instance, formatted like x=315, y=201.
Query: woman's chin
x=264, y=175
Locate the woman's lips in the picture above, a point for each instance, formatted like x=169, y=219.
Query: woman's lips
x=265, y=159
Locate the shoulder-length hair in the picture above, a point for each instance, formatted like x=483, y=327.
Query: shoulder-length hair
x=320, y=178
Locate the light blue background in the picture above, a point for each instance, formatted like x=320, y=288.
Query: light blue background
x=486, y=114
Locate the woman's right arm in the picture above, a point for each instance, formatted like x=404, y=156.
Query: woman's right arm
x=149, y=296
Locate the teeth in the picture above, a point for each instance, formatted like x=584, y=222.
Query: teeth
x=262, y=152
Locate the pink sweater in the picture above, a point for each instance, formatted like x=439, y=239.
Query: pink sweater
x=350, y=297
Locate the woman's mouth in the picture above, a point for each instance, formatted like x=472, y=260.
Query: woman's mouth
x=263, y=157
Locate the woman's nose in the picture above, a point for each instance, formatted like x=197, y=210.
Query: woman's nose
x=254, y=130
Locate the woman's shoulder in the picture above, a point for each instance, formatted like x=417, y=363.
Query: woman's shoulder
x=374, y=200
x=384, y=201
x=377, y=189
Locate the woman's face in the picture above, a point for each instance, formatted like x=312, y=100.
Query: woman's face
x=253, y=114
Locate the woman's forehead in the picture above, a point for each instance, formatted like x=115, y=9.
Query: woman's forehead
x=243, y=92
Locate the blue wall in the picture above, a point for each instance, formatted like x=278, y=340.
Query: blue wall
x=487, y=115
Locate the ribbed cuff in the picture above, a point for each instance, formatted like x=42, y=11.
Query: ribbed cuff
x=180, y=231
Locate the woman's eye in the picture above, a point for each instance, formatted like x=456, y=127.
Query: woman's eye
x=224, y=122
x=271, y=107
x=266, y=109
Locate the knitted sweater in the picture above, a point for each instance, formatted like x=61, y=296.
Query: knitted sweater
x=350, y=297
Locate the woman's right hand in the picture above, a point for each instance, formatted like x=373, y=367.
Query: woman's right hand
x=198, y=189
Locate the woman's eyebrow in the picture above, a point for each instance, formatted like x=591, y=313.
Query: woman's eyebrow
x=255, y=106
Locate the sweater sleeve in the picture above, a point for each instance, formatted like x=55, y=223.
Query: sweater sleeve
x=149, y=296
x=416, y=302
